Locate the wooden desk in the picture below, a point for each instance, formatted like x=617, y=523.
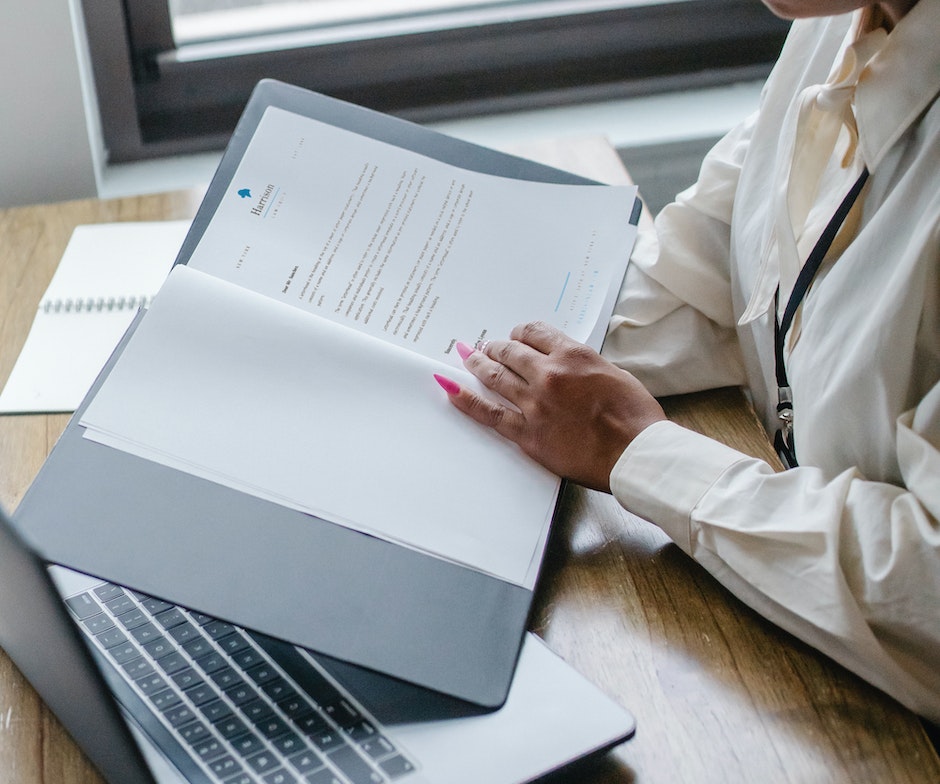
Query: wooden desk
x=720, y=695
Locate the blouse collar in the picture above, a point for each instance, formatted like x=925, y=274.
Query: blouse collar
x=900, y=81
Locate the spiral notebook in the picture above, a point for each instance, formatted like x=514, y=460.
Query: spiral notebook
x=108, y=272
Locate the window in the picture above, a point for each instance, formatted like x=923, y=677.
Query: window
x=173, y=75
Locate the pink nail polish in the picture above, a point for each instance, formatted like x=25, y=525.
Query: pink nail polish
x=450, y=387
x=464, y=350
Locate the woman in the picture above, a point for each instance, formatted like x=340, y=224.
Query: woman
x=844, y=549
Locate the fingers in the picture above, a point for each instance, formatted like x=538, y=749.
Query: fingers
x=508, y=368
x=489, y=413
x=527, y=346
x=543, y=337
x=501, y=365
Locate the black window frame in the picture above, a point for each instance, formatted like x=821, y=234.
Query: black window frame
x=155, y=100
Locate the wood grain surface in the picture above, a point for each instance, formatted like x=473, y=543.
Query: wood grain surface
x=720, y=694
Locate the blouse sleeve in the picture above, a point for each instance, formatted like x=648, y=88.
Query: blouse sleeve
x=812, y=553
x=673, y=326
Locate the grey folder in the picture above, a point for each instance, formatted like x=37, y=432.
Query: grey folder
x=355, y=597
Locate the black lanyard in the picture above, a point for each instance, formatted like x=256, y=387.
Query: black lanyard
x=783, y=441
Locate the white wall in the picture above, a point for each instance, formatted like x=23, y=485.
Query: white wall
x=45, y=149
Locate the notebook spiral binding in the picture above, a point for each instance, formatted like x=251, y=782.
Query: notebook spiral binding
x=95, y=305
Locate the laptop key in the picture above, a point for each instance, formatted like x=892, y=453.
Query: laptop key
x=306, y=762
x=247, y=658
x=246, y=745
x=183, y=632
x=241, y=694
x=323, y=777
x=159, y=647
x=226, y=678
x=179, y=715
x=108, y=591
x=209, y=749
x=170, y=617
x=123, y=652
x=354, y=767
x=288, y=743
x=361, y=731
x=231, y=727
x=256, y=711
x=151, y=684
x=138, y=668
x=233, y=643
x=280, y=777
x=145, y=633
x=271, y=727
x=211, y=662
x=262, y=673
x=99, y=623
x=83, y=605
x=132, y=618
x=121, y=603
x=111, y=638
x=262, y=762
x=172, y=662
x=187, y=678
x=215, y=711
x=311, y=724
x=326, y=740
x=278, y=689
x=218, y=629
x=198, y=646
x=294, y=706
x=396, y=766
x=193, y=732
x=342, y=713
x=241, y=778
x=224, y=767
x=165, y=699
x=201, y=694
x=377, y=747
x=152, y=605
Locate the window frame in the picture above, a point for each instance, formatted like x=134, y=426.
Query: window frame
x=156, y=99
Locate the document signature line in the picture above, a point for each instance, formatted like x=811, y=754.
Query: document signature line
x=271, y=202
x=563, y=288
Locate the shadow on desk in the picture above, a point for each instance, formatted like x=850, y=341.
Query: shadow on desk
x=606, y=769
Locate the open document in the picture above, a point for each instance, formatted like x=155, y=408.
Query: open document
x=322, y=419
x=412, y=250
x=293, y=358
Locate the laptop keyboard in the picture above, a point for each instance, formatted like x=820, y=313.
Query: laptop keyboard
x=247, y=708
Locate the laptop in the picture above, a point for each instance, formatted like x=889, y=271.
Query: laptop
x=154, y=692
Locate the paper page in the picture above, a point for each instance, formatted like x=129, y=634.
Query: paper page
x=414, y=251
x=262, y=397
x=107, y=272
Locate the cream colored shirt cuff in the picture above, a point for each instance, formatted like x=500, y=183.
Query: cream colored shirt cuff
x=664, y=473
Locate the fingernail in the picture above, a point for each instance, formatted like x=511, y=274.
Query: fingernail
x=464, y=350
x=450, y=387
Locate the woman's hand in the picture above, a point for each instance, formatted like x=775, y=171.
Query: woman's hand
x=576, y=411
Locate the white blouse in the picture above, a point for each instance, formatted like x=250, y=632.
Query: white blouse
x=844, y=551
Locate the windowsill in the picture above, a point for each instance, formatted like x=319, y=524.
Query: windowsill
x=628, y=123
